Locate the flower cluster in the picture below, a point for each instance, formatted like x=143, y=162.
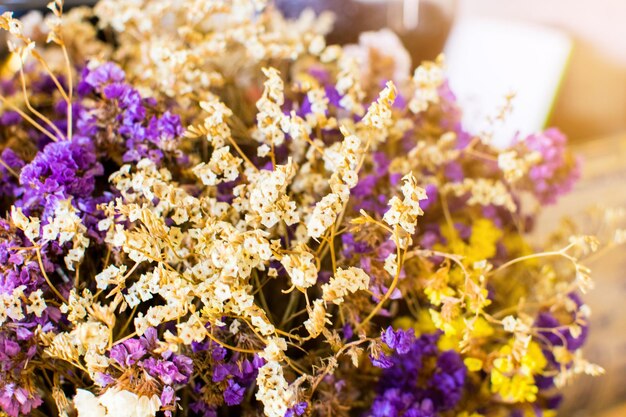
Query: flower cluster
x=209, y=211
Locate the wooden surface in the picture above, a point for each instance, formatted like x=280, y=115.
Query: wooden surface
x=603, y=181
x=619, y=411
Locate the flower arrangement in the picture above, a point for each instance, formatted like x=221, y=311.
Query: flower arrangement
x=212, y=212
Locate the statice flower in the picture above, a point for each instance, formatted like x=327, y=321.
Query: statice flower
x=65, y=169
x=398, y=340
x=412, y=386
x=557, y=170
x=16, y=400
x=144, y=133
x=219, y=213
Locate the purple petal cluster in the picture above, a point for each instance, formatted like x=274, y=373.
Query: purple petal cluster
x=365, y=194
x=16, y=400
x=297, y=410
x=560, y=335
x=144, y=133
x=18, y=342
x=418, y=379
x=62, y=170
x=230, y=372
x=170, y=368
x=557, y=172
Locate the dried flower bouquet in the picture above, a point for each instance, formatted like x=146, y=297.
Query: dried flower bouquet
x=212, y=212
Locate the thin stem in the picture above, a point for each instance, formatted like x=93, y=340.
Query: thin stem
x=68, y=68
x=226, y=345
x=446, y=212
x=390, y=291
x=76, y=276
x=321, y=376
x=125, y=338
x=45, y=275
x=27, y=118
x=533, y=256
x=128, y=321
x=273, y=156
x=8, y=168
x=290, y=306
x=331, y=245
x=56, y=81
x=262, y=295
x=30, y=107
x=240, y=152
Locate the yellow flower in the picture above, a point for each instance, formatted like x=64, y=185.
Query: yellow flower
x=483, y=241
x=436, y=295
x=515, y=382
x=473, y=364
x=450, y=328
x=452, y=339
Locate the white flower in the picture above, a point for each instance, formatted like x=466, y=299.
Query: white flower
x=344, y=282
x=88, y=405
x=317, y=318
x=427, y=79
x=115, y=403
x=405, y=212
x=270, y=116
x=301, y=267
x=324, y=215
x=223, y=167
x=391, y=264
x=37, y=303
x=29, y=225
x=509, y=323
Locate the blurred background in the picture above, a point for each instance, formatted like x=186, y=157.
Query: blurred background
x=579, y=46
x=564, y=61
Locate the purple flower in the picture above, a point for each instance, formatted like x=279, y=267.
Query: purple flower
x=168, y=396
x=454, y=172
x=297, y=410
x=10, y=118
x=16, y=400
x=233, y=395
x=220, y=372
x=562, y=335
x=104, y=74
x=175, y=371
x=412, y=384
x=103, y=379
x=399, y=340
x=557, y=172
x=203, y=409
x=382, y=361
x=129, y=352
x=9, y=184
x=448, y=380
x=63, y=169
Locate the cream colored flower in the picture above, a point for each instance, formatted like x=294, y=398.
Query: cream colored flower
x=345, y=281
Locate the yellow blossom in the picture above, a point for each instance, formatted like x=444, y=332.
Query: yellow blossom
x=473, y=364
x=514, y=380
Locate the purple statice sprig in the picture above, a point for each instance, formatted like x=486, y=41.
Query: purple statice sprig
x=399, y=341
x=20, y=323
x=411, y=383
x=142, y=132
x=171, y=370
x=557, y=171
x=65, y=169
